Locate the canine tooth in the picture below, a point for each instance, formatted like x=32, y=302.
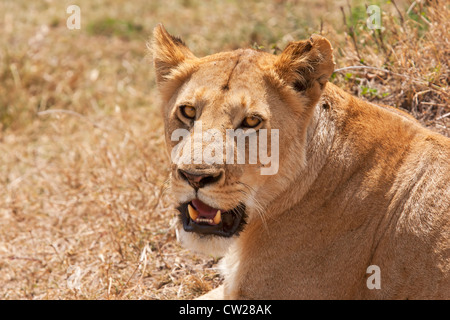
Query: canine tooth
x=218, y=217
x=192, y=213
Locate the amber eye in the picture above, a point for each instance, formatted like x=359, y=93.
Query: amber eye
x=188, y=111
x=251, y=122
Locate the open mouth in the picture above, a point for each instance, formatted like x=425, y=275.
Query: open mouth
x=199, y=217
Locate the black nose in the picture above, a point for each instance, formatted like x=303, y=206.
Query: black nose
x=198, y=179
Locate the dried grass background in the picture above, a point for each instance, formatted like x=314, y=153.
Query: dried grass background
x=84, y=211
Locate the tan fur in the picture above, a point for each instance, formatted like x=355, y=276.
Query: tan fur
x=358, y=184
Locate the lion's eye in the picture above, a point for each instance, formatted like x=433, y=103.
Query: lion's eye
x=251, y=122
x=188, y=111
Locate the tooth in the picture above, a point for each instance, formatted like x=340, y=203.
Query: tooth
x=218, y=217
x=192, y=213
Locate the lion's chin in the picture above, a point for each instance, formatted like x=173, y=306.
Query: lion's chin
x=215, y=246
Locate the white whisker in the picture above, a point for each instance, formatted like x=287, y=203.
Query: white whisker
x=257, y=205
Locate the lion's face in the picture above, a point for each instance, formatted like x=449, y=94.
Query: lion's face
x=235, y=125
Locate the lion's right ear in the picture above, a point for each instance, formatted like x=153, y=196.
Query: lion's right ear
x=168, y=52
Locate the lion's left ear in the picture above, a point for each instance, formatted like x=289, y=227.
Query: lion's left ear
x=168, y=52
x=306, y=65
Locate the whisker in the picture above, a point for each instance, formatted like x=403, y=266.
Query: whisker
x=258, y=206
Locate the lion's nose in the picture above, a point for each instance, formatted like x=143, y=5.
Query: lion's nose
x=199, y=179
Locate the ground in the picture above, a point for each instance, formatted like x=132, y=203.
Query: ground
x=84, y=210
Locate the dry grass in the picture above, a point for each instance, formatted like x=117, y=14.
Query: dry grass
x=414, y=48
x=83, y=212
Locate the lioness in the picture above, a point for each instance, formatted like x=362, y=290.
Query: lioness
x=359, y=207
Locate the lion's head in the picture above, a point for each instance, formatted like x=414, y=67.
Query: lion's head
x=209, y=105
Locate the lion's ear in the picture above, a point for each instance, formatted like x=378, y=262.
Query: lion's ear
x=306, y=65
x=168, y=52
